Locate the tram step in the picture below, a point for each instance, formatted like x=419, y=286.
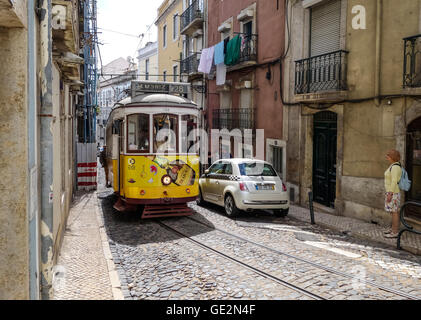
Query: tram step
x=160, y=211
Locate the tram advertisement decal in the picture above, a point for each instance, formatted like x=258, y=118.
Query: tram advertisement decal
x=158, y=171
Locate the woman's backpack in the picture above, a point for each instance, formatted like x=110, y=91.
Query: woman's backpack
x=404, y=182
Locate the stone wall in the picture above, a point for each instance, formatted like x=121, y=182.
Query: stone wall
x=14, y=249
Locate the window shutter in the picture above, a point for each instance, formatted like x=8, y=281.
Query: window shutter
x=325, y=28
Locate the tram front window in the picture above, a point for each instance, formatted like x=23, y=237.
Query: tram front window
x=138, y=133
x=189, y=137
x=165, y=128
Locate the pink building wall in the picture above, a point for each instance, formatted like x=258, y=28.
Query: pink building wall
x=270, y=28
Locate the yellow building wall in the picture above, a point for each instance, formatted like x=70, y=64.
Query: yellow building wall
x=369, y=129
x=170, y=55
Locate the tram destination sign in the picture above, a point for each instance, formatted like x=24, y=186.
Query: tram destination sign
x=142, y=87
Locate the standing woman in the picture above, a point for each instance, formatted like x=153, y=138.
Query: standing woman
x=393, y=196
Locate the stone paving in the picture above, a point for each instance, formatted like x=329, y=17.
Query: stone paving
x=147, y=261
x=156, y=264
x=377, y=262
x=81, y=270
x=409, y=241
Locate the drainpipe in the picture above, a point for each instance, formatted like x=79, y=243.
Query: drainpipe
x=46, y=148
x=378, y=50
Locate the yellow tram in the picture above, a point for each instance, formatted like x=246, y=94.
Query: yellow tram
x=152, y=150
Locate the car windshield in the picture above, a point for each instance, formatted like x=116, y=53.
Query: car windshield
x=256, y=169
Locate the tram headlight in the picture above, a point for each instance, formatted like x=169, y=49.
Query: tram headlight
x=188, y=190
x=166, y=180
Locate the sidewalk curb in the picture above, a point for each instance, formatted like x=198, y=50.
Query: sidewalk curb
x=356, y=234
x=112, y=271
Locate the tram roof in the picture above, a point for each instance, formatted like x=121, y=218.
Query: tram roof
x=156, y=99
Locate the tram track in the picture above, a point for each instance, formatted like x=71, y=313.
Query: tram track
x=243, y=264
x=313, y=264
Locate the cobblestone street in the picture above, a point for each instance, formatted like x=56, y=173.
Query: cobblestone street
x=111, y=255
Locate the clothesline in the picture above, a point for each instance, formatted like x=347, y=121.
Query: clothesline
x=225, y=53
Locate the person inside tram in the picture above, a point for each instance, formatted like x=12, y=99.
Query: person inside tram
x=144, y=140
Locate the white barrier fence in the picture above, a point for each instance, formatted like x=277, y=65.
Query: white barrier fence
x=86, y=166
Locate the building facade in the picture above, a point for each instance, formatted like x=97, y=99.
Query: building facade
x=351, y=80
x=194, y=33
x=250, y=98
x=40, y=87
x=170, y=43
x=148, y=62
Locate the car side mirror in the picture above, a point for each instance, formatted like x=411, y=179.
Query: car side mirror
x=206, y=172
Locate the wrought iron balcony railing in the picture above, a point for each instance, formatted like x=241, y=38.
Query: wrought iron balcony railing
x=235, y=118
x=412, y=62
x=193, y=12
x=248, y=51
x=190, y=64
x=325, y=72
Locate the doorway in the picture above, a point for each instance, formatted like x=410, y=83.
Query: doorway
x=324, y=158
x=413, y=165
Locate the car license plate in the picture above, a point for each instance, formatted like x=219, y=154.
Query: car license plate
x=265, y=187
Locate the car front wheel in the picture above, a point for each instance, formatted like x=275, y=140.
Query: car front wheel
x=230, y=208
x=282, y=213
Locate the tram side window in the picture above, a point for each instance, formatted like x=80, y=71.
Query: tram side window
x=165, y=128
x=138, y=133
x=189, y=136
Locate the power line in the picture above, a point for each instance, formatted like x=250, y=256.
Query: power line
x=126, y=34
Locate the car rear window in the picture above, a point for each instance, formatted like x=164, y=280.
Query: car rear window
x=256, y=169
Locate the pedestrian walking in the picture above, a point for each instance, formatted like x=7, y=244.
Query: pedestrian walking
x=393, y=195
x=103, y=161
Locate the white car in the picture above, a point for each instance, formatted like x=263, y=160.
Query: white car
x=244, y=184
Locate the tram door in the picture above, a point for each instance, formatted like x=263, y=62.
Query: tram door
x=324, y=158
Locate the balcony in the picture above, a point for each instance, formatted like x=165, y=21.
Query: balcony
x=322, y=78
x=412, y=62
x=190, y=65
x=236, y=118
x=192, y=18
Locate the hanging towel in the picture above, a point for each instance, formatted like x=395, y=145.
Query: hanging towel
x=219, y=53
x=233, y=51
x=226, y=44
x=206, y=60
x=221, y=74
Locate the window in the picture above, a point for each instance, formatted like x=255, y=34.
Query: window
x=256, y=169
x=175, y=73
x=325, y=28
x=147, y=69
x=138, y=133
x=175, y=26
x=165, y=75
x=165, y=128
x=248, y=29
x=164, y=36
x=221, y=168
x=189, y=135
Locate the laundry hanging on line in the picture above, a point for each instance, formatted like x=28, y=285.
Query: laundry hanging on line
x=221, y=74
x=206, y=60
x=233, y=51
x=219, y=53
